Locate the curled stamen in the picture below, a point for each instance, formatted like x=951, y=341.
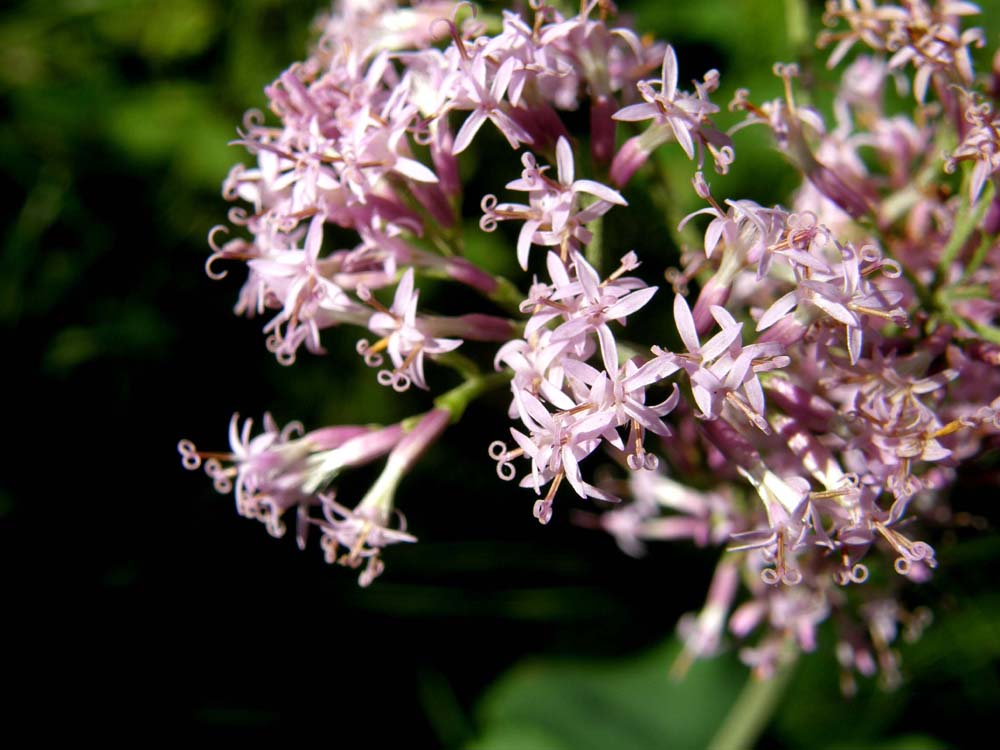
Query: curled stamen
x=869, y=254
x=770, y=576
x=922, y=551
x=497, y=449
x=505, y=470
x=791, y=577
x=216, y=248
x=801, y=221
x=543, y=507
x=190, y=459
x=220, y=476
x=252, y=119
x=543, y=510
x=890, y=268
x=859, y=573
x=488, y=222
x=401, y=382
x=210, y=272
x=238, y=215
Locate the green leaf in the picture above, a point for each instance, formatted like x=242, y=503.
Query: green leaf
x=594, y=705
x=176, y=122
x=901, y=742
x=162, y=29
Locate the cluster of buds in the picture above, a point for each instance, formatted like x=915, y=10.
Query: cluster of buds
x=807, y=410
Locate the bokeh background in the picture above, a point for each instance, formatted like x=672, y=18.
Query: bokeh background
x=146, y=602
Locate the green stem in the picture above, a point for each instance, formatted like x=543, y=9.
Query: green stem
x=507, y=295
x=661, y=193
x=595, y=249
x=797, y=26
x=458, y=362
x=969, y=217
x=753, y=709
x=979, y=255
x=459, y=397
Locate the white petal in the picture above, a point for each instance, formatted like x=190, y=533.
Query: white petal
x=601, y=191
x=414, y=170
x=669, y=72
x=564, y=161
x=685, y=324
x=636, y=112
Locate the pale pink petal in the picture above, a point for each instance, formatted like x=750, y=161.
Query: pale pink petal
x=630, y=303
x=609, y=349
x=468, y=131
x=601, y=191
x=781, y=307
x=720, y=342
x=669, y=73
x=564, y=161
x=524, y=242
x=836, y=310
x=414, y=170
x=502, y=78
x=683, y=135
x=685, y=324
x=636, y=112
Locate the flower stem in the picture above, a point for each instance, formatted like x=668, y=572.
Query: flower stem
x=459, y=397
x=969, y=217
x=797, y=26
x=595, y=249
x=754, y=707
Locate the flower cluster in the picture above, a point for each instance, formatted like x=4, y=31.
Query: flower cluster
x=810, y=403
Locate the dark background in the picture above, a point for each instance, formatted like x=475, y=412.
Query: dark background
x=137, y=598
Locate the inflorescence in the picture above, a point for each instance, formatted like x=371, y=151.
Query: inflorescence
x=838, y=364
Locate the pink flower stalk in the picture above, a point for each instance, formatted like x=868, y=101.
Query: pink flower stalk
x=276, y=471
x=365, y=530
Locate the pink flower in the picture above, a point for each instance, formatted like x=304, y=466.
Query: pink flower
x=552, y=217
x=487, y=104
x=402, y=338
